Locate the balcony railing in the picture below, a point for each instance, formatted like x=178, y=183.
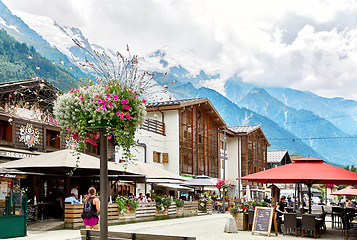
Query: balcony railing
x=154, y=126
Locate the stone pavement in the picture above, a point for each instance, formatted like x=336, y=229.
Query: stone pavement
x=206, y=227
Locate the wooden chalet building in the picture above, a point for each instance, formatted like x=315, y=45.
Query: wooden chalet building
x=27, y=129
x=247, y=154
x=181, y=136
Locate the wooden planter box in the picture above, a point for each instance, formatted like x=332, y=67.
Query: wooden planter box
x=202, y=208
x=179, y=211
x=241, y=221
x=161, y=213
x=130, y=216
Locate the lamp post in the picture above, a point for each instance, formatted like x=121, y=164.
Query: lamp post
x=224, y=170
x=103, y=185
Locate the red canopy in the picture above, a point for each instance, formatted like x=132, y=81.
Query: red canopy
x=306, y=170
x=348, y=191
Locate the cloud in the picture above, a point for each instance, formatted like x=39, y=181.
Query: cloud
x=307, y=45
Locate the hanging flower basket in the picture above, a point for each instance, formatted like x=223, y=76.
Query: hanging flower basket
x=116, y=108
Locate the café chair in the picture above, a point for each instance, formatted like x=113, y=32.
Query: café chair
x=290, y=223
x=336, y=219
x=309, y=224
x=321, y=222
x=250, y=218
x=347, y=229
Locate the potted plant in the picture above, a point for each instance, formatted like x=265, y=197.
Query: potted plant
x=162, y=204
x=239, y=213
x=202, y=204
x=179, y=206
x=127, y=207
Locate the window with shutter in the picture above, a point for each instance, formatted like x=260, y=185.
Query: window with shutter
x=155, y=157
x=165, y=158
x=5, y=132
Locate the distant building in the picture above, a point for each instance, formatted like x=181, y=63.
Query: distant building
x=278, y=158
x=247, y=154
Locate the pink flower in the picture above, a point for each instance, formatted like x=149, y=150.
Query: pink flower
x=77, y=90
x=104, y=103
x=103, y=107
x=144, y=101
x=115, y=97
x=126, y=101
x=71, y=91
x=86, y=87
x=110, y=136
x=98, y=108
x=86, y=102
x=121, y=118
x=126, y=107
x=122, y=101
x=107, y=99
x=120, y=114
x=110, y=104
x=81, y=98
x=108, y=95
x=99, y=101
x=55, y=121
x=97, y=95
x=51, y=118
x=128, y=116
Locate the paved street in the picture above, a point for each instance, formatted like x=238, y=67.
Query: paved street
x=206, y=227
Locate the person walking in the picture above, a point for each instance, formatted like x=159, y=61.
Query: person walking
x=280, y=210
x=91, y=210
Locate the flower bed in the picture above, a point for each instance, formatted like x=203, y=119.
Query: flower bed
x=162, y=202
x=126, y=204
x=204, y=198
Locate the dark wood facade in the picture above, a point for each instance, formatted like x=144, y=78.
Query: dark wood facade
x=199, y=125
x=198, y=143
x=253, y=152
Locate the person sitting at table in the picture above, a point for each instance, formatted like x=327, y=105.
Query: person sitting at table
x=348, y=203
x=71, y=199
x=280, y=210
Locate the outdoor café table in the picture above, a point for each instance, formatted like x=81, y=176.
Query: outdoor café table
x=318, y=220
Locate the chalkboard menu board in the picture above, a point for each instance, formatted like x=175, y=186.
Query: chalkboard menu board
x=263, y=219
x=31, y=212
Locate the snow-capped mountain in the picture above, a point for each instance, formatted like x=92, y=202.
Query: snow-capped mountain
x=59, y=37
x=288, y=117
x=19, y=30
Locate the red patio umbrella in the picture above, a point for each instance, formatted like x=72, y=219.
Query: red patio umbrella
x=348, y=191
x=306, y=170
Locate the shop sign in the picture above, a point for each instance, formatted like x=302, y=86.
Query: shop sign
x=7, y=175
x=15, y=154
x=71, y=143
x=29, y=135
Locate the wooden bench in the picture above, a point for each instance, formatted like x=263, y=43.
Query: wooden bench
x=87, y=234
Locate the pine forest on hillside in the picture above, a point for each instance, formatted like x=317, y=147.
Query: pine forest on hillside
x=19, y=62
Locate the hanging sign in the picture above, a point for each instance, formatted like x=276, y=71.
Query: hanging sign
x=29, y=135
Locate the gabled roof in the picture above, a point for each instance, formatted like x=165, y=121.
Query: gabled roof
x=23, y=84
x=244, y=130
x=275, y=156
x=184, y=103
x=30, y=91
